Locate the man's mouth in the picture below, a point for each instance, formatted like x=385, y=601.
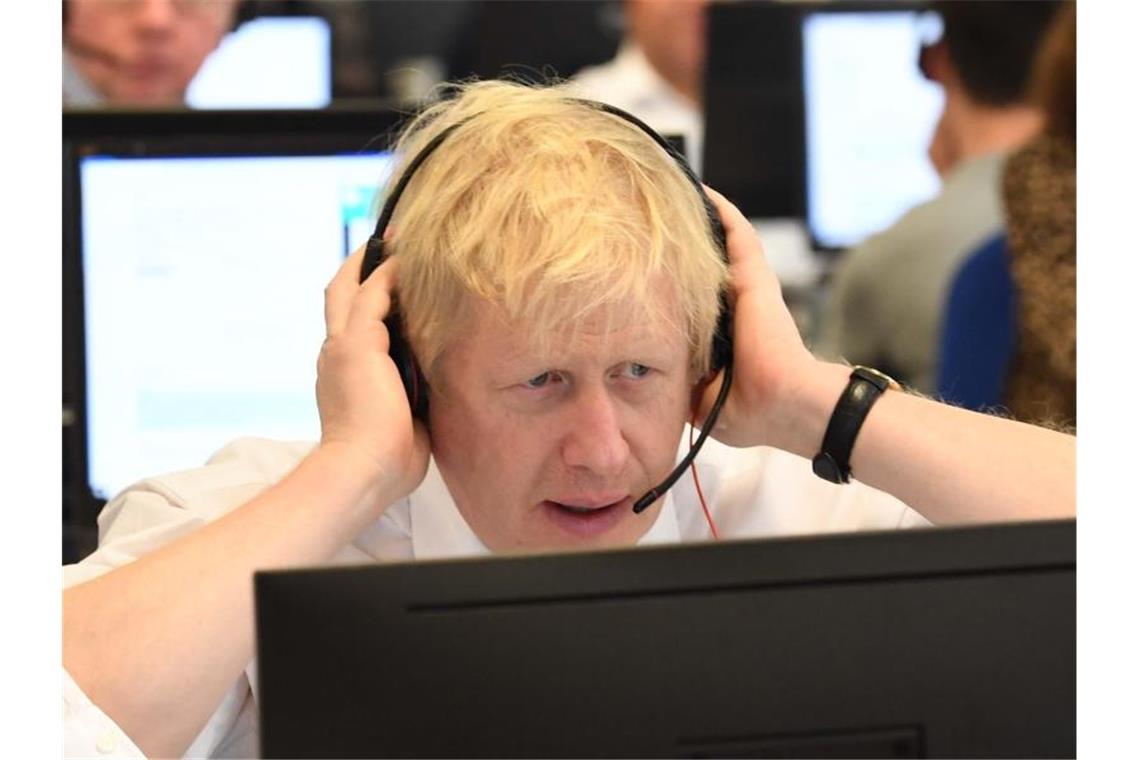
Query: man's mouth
x=584, y=509
x=587, y=517
x=579, y=510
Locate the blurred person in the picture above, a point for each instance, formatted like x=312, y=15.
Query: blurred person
x=1040, y=193
x=658, y=72
x=885, y=304
x=562, y=283
x=138, y=52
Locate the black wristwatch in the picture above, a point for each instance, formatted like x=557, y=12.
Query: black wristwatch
x=833, y=462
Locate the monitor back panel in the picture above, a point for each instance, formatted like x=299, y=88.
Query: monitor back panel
x=912, y=644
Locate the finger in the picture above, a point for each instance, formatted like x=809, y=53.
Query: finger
x=730, y=215
x=741, y=235
x=745, y=251
x=373, y=299
x=340, y=291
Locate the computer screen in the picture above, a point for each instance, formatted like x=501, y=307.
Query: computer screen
x=869, y=115
x=268, y=62
x=753, y=108
x=202, y=298
x=919, y=643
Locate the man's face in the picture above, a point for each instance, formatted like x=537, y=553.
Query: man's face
x=672, y=34
x=550, y=451
x=144, y=52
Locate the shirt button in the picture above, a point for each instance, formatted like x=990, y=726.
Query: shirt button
x=107, y=743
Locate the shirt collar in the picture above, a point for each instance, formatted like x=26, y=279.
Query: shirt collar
x=77, y=90
x=975, y=170
x=440, y=532
x=639, y=79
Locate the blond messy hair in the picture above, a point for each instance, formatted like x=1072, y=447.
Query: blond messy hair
x=551, y=211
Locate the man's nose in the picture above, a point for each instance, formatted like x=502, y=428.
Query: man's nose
x=156, y=15
x=594, y=440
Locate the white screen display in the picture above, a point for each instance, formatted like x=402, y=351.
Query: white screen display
x=869, y=117
x=203, y=300
x=270, y=62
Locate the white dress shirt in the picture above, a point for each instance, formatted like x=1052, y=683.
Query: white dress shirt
x=78, y=92
x=632, y=84
x=750, y=492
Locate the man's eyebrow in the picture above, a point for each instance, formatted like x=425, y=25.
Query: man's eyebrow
x=649, y=342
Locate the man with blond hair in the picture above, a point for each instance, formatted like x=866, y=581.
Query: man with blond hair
x=560, y=285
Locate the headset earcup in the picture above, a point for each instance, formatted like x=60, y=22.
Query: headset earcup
x=722, y=340
x=398, y=348
x=405, y=362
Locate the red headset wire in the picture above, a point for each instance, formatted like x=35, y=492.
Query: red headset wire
x=697, y=482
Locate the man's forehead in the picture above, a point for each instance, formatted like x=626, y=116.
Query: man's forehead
x=611, y=327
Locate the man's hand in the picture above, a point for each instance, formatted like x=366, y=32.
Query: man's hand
x=162, y=677
x=364, y=409
x=770, y=357
x=951, y=465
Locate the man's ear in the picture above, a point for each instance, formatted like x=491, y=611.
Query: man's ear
x=697, y=394
x=934, y=62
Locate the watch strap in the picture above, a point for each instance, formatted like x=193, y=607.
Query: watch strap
x=865, y=385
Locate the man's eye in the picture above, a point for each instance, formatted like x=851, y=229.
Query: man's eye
x=633, y=369
x=539, y=381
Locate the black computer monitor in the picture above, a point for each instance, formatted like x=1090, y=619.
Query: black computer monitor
x=923, y=643
x=753, y=108
x=196, y=249
x=819, y=111
x=533, y=41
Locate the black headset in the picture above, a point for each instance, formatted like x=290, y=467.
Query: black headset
x=401, y=353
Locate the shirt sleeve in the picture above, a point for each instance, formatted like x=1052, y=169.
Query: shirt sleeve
x=779, y=495
x=141, y=519
x=138, y=521
x=87, y=731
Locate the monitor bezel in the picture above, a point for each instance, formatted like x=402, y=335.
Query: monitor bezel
x=357, y=127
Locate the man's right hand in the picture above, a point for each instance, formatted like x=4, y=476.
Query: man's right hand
x=371, y=454
x=365, y=416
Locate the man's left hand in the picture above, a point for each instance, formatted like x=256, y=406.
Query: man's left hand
x=771, y=360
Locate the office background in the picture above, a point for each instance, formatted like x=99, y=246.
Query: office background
x=778, y=78
x=1106, y=355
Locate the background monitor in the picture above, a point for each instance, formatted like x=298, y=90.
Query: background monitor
x=869, y=115
x=196, y=266
x=920, y=643
x=753, y=146
x=533, y=41
x=268, y=62
x=818, y=111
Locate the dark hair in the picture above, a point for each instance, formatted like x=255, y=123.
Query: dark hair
x=992, y=44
